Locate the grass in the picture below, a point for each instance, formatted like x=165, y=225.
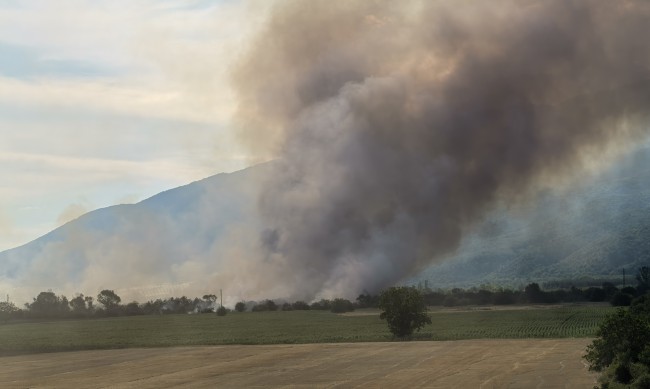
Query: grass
x=290, y=327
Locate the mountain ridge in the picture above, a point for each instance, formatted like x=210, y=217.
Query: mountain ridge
x=594, y=229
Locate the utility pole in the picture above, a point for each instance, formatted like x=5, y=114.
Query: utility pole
x=221, y=296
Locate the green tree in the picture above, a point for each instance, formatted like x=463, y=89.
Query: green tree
x=643, y=279
x=621, y=299
x=210, y=298
x=323, y=304
x=8, y=310
x=89, y=302
x=78, y=305
x=366, y=300
x=133, y=309
x=266, y=305
x=300, y=306
x=109, y=300
x=48, y=304
x=208, y=304
x=404, y=310
x=641, y=306
x=340, y=305
x=621, y=349
x=222, y=311
x=240, y=306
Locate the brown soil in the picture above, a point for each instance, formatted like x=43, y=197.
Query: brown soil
x=549, y=363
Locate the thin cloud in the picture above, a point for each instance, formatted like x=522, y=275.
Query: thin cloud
x=111, y=99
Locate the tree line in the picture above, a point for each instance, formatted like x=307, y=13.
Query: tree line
x=48, y=305
x=533, y=293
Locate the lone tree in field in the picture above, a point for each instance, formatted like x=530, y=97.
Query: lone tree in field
x=404, y=310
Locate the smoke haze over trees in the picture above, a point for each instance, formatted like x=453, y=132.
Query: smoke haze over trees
x=397, y=127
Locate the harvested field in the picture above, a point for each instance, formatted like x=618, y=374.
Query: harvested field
x=525, y=363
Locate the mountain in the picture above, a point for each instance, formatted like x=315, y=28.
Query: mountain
x=144, y=250
x=190, y=239
x=595, y=229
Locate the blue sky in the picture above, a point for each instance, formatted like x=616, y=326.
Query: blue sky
x=106, y=102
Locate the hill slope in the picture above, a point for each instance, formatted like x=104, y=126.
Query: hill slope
x=156, y=244
x=596, y=229
x=172, y=243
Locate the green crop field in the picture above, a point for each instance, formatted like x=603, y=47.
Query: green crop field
x=556, y=322
x=291, y=327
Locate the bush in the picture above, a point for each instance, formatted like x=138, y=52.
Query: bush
x=629, y=290
x=595, y=295
x=321, y=305
x=341, y=305
x=621, y=299
x=640, y=306
x=450, y=301
x=300, y=306
x=133, y=309
x=504, y=297
x=643, y=382
x=267, y=305
x=222, y=311
x=610, y=289
x=366, y=300
x=434, y=298
x=240, y=306
x=8, y=311
x=622, y=336
x=622, y=350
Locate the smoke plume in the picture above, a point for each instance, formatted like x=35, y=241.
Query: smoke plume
x=397, y=125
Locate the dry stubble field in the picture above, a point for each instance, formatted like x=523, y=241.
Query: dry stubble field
x=501, y=363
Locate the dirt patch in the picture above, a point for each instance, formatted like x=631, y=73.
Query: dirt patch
x=546, y=363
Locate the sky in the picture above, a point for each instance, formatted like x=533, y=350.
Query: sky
x=111, y=102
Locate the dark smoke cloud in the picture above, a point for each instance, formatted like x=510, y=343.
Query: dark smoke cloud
x=398, y=125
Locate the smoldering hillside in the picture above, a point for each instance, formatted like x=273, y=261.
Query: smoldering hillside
x=396, y=131
x=399, y=126
x=597, y=227
x=178, y=242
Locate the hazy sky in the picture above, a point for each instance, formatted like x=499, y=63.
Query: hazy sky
x=106, y=102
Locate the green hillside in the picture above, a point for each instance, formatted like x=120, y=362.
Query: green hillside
x=592, y=230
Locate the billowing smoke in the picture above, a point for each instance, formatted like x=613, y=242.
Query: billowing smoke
x=398, y=125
